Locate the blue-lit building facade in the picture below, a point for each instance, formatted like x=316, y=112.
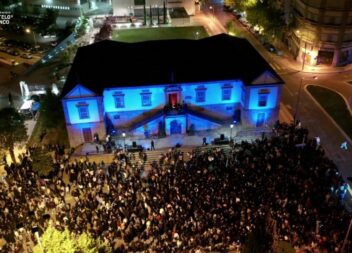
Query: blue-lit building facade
x=174, y=97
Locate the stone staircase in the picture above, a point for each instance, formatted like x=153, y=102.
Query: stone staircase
x=153, y=155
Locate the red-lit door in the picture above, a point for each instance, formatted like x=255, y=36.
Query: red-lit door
x=87, y=134
x=173, y=99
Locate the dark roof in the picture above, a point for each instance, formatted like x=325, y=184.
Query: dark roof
x=117, y=64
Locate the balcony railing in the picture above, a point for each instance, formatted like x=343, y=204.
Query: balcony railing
x=176, y=109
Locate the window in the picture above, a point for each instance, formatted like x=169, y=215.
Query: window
x=200, y=94
x=83, y=111
x=263, y=98
x=226, y=93
x=146, y=98
x=119, y=100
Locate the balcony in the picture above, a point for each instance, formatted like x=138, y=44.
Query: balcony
x=177, y=109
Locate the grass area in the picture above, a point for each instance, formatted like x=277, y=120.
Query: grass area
x=159, y=33
x=285, y=247
x=334, y=105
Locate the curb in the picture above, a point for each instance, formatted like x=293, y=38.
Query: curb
x=326, y=113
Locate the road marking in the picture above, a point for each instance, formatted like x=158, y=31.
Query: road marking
x=327, y=114
x=289, y=91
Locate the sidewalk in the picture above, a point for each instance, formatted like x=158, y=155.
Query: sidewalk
x=287, y=60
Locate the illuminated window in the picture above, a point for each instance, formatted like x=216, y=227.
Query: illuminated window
x=226, y=93
x=263, y=99
x=200, y=94
x=146, y=98
x=119, y=100
x=83, y=111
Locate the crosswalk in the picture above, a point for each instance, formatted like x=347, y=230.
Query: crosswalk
x=279, y=68
x=284, y=115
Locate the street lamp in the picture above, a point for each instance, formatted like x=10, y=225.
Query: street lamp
x=231, y=126
x=124, y=140
x=28, y=30
x=212, y=10
x=346, y=237
x=300, y=84
x=197, y=35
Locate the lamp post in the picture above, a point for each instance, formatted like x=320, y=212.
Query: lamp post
x=28, y=30
x=212, y=10
x=124, y=140
x=300, y=84
x=231, y=126
x=346, y=237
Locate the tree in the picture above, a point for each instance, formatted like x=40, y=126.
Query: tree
x=82, y=26
x=164, y=13
x=53, y=241
x=88, y=244
x=144, y=14
x=229, y=3
x=150, y=15
x=42, y=162
x=264, y=14
x=104, y=33
x=10, y=99
x=51, y=110
x=157, y=9
x=69, y=54
x=12, y=130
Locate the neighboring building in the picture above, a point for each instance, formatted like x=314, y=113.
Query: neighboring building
x=324, y=33
x=67, y=8
x=126, y=8
x=175, y=85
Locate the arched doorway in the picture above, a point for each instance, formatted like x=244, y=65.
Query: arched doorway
x=175, y=127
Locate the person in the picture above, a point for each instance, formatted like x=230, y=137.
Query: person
x=152, y=147
x=204, y=141
x=344, y=145
x=317, y=139
x=97, y=148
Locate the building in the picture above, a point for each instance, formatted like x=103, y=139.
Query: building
x=126, y=8
x=324, y=31
x=66, y=8
x=168, y=85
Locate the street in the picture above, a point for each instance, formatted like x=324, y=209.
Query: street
x=309, y=112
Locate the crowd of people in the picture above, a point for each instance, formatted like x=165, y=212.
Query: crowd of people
x=210, y=199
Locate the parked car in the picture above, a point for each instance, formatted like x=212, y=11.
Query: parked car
x=270, y=47
x=14, y=52
x=14, y=63
x=26, y=56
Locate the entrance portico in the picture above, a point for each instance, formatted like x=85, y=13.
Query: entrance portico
x=176, y=124
x=173, y=95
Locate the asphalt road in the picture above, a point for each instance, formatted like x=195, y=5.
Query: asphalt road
x=309, y=112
